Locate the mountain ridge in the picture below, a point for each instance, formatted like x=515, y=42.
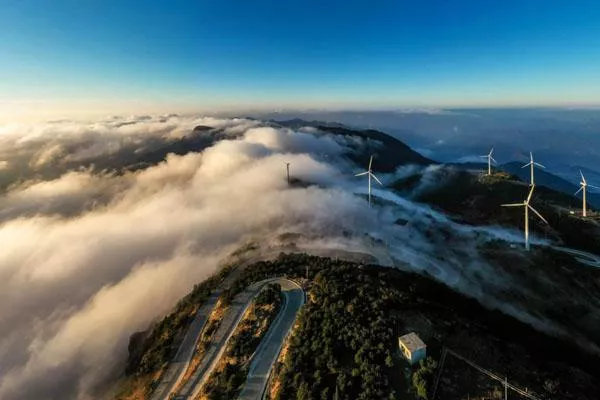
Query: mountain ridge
x=542, y=177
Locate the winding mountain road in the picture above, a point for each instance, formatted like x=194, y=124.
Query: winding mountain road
x=267, y=352
x=179, y=364
x=175, y=372
x=229, y=322
x=264, y=357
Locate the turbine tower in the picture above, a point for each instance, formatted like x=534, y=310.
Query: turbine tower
x=490, y=159
x=370, y=174
x=287, y=165
x=527, y=207
x=584, y=186
x=532, y=164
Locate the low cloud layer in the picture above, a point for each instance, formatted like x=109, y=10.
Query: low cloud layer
x=89, y=257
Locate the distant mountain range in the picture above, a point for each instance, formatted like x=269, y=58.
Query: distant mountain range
x=389, y=152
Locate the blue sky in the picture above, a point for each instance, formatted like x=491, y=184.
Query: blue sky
x=199, y=55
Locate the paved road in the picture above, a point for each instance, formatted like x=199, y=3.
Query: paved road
x=583, y=257
x=267, y=352
x=179, y=364
x=217, y=346
x=177, y=367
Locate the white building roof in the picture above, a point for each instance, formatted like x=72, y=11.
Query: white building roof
x=412, y=342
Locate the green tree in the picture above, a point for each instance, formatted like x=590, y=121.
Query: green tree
x=422, y=377
x=389, y=361
x=303, y=392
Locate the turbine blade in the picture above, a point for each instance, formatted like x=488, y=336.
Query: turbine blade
x=531, y=156
x=530, y=194
x=539, y=165
x=580, y=189
x=362, y=173
x=595, y=187
x=513, y=205
x=374, y=177
x=526, y=165
x=491, y=151
x=492, y=158
x=370, y=162
x=538, y=214
x=582, y=177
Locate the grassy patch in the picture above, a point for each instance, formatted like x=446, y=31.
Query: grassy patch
x=213, y=323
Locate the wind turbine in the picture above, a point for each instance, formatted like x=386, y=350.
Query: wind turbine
x=370, y=174
x=490, y=159
x=287, y=166
x=532, y=164
x=584, y=186
x=527, y=207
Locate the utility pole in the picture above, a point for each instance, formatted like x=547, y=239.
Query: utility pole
x=287, y=165
x=307, y=272
x=506, y=387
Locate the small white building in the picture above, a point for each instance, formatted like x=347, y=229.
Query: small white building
x=412, y=347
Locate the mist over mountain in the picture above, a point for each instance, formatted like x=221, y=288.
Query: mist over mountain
x=160, y=161
x=107, y=224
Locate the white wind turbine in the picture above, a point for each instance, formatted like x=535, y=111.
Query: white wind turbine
x=584, y=186
x=370, y=174
x=490, y=159
x=532, y=164
x=527, y=207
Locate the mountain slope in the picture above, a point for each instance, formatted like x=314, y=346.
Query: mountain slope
x=477, y=200
x=389, y=153
x=390, y=156
x=542, y=178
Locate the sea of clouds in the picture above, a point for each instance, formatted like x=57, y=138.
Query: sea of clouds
x=91, y=255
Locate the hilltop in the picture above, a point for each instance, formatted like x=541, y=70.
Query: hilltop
x=389, y=152
x=476, y=200
x=542, y=177
x=345, y=338
x=551, y=181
